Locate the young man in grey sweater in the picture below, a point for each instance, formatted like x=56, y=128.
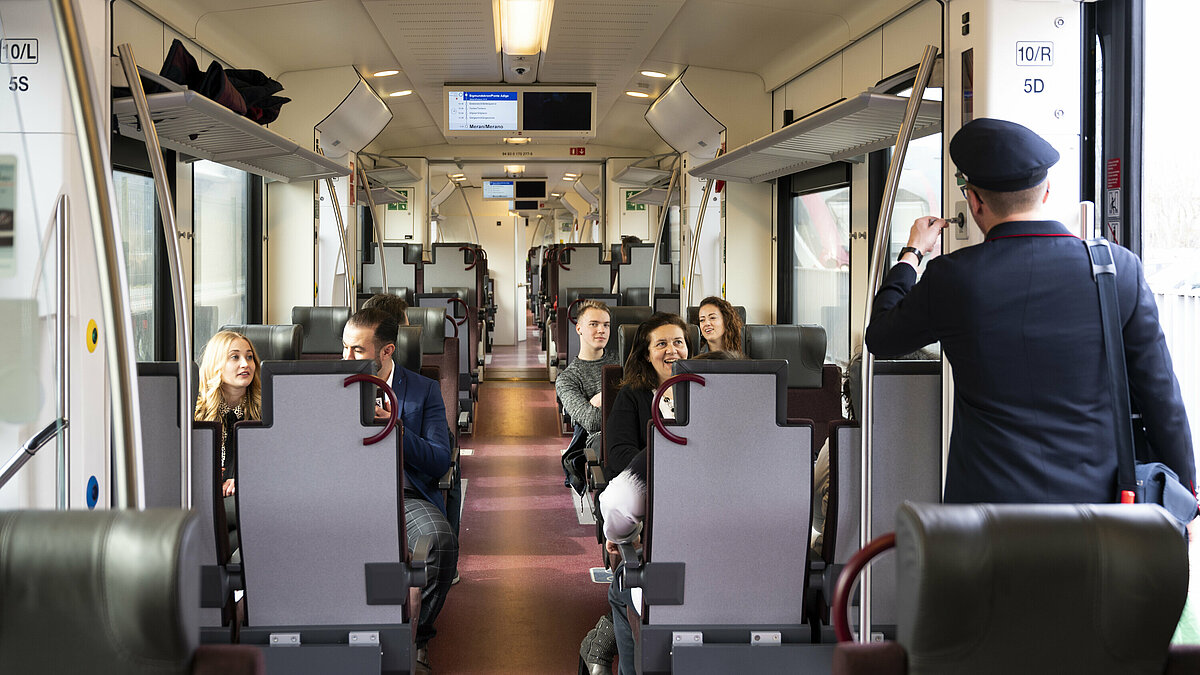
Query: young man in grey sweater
x=578, y=386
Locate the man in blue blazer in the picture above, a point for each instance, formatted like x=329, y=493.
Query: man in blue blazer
x=1018, y=318
x=370, y=334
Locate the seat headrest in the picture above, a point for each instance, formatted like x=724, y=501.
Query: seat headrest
x=408, y=348
x=627, y=313
x=273, y=342
x=122, y=588
x=637, y=296
x=693, y=314
x=1085, y=588
x=570, y=295
x=802, y=346
x=628, y=331
x=322, y=328
x=433, y=320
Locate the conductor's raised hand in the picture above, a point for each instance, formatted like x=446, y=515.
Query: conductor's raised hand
x=926, y=232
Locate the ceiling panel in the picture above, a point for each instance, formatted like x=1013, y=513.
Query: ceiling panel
x=437, y=42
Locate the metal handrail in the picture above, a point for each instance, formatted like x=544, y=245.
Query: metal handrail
x=470, y=213
x=691, y=268
x=179, y=298
x=662, y=224
x=362, y=177
x=875, y=278
x=29, y=449
x=62, y=221
x=343, y=242
x=129, y=487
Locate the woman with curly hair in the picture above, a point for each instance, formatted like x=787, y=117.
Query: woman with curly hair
x=720, y=325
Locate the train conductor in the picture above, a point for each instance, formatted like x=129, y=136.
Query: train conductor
x=1018, y=318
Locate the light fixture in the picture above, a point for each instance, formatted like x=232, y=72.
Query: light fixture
x=555, y=194
x=518, y=140
x=458, y=175
x=569, y=178
x=385, y=73
x=514, y=168
x=637, y=94
x=653, y=73
x=524, y=26
x=405, y=92
x=571, y=175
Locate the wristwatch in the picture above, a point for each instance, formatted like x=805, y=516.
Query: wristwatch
x=913, y=250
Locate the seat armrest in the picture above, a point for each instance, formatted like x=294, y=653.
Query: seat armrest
x=593, y=458
x=447, y=480
x=422, y=557
x=217, y=584
x=596, y=481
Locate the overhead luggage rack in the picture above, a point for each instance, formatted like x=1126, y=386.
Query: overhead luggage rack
x=853, y=127
x=193, y=124
x=654, y=196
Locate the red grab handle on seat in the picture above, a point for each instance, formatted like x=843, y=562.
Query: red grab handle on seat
x=391, y=423
x=570, y=307
x=656, y=417
x=466, y=313
x=473, y=262
x=452, y=324
x=841, y=592
x=559, y=256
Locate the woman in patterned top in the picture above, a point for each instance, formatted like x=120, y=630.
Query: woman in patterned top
x=230, y=391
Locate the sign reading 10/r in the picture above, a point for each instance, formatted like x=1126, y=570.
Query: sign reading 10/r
x=1035, y=54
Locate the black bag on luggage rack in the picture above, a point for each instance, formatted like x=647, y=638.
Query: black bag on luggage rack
x=1137, y=482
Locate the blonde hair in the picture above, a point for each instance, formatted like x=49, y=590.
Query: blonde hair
x=208, y=400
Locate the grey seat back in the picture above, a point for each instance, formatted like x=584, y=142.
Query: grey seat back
x=305, y=479
x=636, y=274
x=278, y=342
x=99, y=591
x=802, y=346
x=1109, y=580
x=740, y=400
x=158, y=397
x=454, y=311
x=906, y=465
x=433, y=321
x=450, y=267
x=322, y=328
x=403, y=263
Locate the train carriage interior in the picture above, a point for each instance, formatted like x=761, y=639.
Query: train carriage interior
x=251, y=252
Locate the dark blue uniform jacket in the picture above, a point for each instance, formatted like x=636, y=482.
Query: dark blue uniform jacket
x=1018, y=317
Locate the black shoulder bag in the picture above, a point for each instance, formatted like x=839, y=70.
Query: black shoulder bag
x=1137, y=482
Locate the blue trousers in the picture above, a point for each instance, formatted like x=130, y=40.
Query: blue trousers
x=620, y=599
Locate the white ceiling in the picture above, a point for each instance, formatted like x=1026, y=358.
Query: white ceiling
x=605, y=42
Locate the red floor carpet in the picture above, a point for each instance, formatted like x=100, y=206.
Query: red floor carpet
x=525, y=600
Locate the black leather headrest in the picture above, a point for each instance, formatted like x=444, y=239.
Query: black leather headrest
x=408, y=348
x=322, y=328
x=637, y=296
x=433, y=320
x=99, y=591
x=802, y=346
x=1104, y=583
x=627, y=313
x=627, y=332
x=273, y=342
x=693, y=314
x=570, y=295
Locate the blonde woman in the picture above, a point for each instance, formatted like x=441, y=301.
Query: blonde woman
x=230, y=391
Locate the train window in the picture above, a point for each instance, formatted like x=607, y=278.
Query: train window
x=137, y=210
x=819, y=210
x=220, y=262
x=920, y=190
x=1170, y=224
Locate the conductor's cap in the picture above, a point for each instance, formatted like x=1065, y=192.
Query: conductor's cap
x=1001, y=156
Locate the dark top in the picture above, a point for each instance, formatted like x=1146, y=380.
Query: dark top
x=427, y=449
x=229, y=443
x=1019, y=320
x=625, y=434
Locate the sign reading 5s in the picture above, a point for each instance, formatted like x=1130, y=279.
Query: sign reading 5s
x=18, y=83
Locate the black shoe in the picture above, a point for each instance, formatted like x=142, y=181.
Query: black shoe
x=422, y=665
x=598, y=648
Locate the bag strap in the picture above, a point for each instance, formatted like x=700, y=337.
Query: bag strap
x=1104, y=273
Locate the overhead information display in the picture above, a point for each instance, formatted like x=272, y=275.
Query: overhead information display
x=499, y=189
x=482, y=110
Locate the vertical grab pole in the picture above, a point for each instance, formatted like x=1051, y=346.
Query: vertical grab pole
x=691, y=268
x=875, y=278
x=343, y=243
x=662, y=225
x=470, y=213
x=179, y=298
x=129, y=487
x=62, y=222
x=362, y=178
